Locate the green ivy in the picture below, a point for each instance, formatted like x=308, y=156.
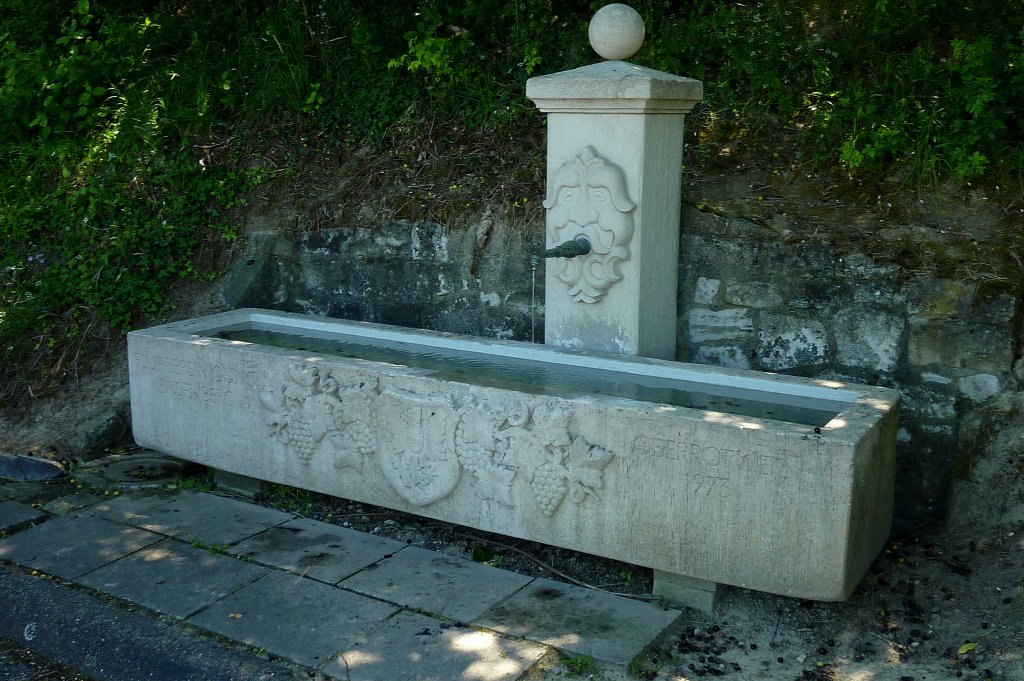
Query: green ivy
x=103, y=104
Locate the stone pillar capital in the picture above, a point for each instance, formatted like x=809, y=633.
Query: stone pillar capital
x=614, y=87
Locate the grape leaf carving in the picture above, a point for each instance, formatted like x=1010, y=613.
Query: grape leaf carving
x=584, y=466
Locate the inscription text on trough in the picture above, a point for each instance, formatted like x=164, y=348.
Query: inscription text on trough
x=714, y=472
x=198, y=381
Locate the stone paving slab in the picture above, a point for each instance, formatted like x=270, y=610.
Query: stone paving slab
x=433, y=582
x=130, y=472
x=173, y=578
x=14, y=515
x=71, y=546
x=580, y=621
x=315, y=549
x=339, y=629
x=296, y=618
x=193, y=516
x=29, y=493
x=413, y=647
x=71, y=503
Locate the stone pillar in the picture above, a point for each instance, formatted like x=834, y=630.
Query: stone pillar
x=615, y=141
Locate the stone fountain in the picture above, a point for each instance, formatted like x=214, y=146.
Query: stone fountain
x=595, y=441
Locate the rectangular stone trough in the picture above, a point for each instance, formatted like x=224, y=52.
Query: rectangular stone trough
x=769, y=482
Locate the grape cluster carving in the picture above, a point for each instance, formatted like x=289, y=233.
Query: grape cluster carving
x=557, y=463
x=311, y=413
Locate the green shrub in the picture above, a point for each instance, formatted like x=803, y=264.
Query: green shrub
x=104, y=106
x=101, y=205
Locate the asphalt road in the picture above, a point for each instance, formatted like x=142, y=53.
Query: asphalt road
x=99, y=638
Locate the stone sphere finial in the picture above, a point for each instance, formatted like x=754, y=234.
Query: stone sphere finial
x=616, y=31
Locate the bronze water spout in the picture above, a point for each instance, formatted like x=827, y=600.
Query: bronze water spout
x=569, y=249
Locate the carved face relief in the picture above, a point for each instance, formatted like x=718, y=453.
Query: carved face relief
x=588, y=197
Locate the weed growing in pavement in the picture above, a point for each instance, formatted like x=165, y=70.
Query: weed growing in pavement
x=209, y=548
x=289, y=498
x=644, y=667
x=580, y=665
x=200, y=483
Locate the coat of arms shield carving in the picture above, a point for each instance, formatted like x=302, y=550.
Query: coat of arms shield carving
x=416, y=444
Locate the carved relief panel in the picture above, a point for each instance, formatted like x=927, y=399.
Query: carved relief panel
x=588, y=197
x=423, y=443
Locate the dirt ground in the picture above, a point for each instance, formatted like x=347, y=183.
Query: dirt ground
x=941, y=604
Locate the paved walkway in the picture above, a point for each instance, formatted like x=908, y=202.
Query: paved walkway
x=324, y=599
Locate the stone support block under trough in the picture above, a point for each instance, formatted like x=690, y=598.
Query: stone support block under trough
x=698, y=594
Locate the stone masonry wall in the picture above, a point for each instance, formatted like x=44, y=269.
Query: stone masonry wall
x=420, y=275
x=750, y=302
x=745, y=300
